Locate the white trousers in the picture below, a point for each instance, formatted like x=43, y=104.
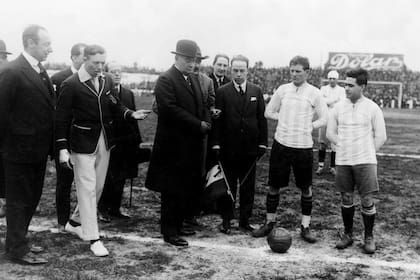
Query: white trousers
x=89, y=176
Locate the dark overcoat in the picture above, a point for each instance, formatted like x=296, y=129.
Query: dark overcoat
x=125, y=155
x=175, y=164
x=26, y=113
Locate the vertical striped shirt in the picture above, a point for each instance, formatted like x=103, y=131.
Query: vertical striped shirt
x=358, y=129
x=294, y=109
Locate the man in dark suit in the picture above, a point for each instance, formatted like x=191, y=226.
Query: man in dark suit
x=85, y=114
x=124, y=159
x=220, y=67
x=3, y=59
x=27, y=103
x=65, y=175
x=176, y=161
x=240, y=138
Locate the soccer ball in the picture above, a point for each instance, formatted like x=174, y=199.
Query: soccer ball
x=279, y=240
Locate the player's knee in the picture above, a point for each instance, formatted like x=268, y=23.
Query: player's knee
x=322, y=146
x=307, y=192
x=347, y=199
x=368, y=205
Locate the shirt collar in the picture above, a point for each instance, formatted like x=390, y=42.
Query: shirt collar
x=73, y=69
x=185, y=76
x=32, y=61
x=84, y=76
x=243, y=86
x=303, y=85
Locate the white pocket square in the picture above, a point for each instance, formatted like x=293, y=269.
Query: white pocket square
x=253, y=98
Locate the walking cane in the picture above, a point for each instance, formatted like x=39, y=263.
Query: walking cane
x=249, y=171
x=131, y=192
x=229, y=192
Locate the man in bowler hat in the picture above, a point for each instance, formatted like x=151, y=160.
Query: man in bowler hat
x=175, y=164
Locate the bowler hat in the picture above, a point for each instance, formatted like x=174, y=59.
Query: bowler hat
x=198, y=54
x=186, y=48
x=3, y=47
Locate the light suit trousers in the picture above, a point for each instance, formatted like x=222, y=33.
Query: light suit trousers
x=89, y=176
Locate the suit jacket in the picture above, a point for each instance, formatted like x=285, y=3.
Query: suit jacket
x=175, y=164
x=59, y=77
x=82, y=113
x=207, y=88
x=241, y=127
x=124, y=156
x=26, y=113
x=215, y=84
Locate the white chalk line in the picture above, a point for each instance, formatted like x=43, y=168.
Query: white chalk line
x=293, y=254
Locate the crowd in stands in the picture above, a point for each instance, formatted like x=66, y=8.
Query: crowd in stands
x=269, y=79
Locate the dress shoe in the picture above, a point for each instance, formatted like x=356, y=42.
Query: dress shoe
x=264, y=230
x=2, y=207
x=346, y=241
x=369, y=246
x=319, y=171
x=29, y=259
x=246, y=227
x=104, y=217
x=119, y=215
x=307, y=235
x=192, y=222
x=74, y=230
x=225, y=227
x=332, y=171
x=36, y=249
x=186, y=232
x=175, y=240
x=99, y=249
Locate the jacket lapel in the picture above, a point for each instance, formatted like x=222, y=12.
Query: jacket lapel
x=247, y=98
x=35, y=79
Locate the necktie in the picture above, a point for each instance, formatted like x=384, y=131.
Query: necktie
x=219, y=82
x=44, y=77
x=95, y=82
x=241, y=91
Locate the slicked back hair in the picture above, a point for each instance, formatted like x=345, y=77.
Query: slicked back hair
x=220, y=55
x=75, y=50
x=360, y=74
x=92, y=50
x=240, y=58
x=31, y=32
x=300, y=60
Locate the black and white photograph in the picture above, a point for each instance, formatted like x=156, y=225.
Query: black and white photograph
x=220, y=140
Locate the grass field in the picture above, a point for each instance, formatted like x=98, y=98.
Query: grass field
x=137, y=251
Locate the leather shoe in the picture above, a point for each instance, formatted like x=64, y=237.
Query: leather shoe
x=369, y=246
x=36, y=249
x=29, y=259
x=186, y=232
x=119, y=215
x=192, y=222
x=307, y=235
x=103, y=217
x=264, y=230
x=225, y=227
x=246, y=227
x=175, y=240
x=346, y=241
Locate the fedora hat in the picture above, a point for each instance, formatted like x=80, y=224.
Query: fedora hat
x=3, y=47
x=186, y=48
x=198, y=54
